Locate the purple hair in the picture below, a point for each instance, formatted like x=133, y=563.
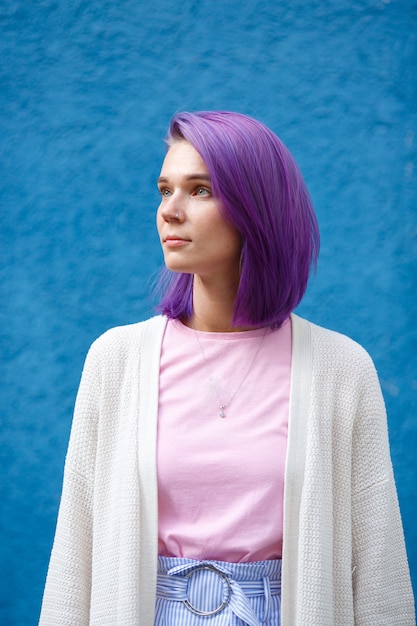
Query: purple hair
x=264, y=196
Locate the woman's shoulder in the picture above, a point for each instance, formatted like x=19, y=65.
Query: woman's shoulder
x=332, y=347
x=120, y=339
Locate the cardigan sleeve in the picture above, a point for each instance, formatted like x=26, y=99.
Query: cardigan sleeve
x=66, y=598
x=381, y=579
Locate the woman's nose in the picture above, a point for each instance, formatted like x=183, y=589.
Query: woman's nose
x=170, y=209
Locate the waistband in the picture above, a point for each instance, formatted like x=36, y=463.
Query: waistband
x=207, y=588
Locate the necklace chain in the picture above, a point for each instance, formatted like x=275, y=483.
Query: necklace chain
x=224, y=405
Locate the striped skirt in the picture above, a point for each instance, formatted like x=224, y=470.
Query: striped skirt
x=216, y=593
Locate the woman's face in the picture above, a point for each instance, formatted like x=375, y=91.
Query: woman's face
x=194, y=236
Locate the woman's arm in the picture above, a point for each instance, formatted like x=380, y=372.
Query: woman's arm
x=67, y=592
x=381, y=579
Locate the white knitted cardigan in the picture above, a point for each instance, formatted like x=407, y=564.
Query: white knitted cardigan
x=344, y=561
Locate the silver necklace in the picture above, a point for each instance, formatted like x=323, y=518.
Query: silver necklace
x=224, y=405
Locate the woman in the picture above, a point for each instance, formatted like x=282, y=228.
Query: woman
x=229, y=461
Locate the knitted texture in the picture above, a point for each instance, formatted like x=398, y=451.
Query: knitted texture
x=352, y=567
x=344, y=560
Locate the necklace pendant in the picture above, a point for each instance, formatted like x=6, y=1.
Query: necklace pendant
x=222, y=407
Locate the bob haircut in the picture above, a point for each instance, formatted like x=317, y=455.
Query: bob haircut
x=263, y=194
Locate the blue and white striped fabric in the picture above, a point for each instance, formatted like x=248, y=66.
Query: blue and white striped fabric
x=216, y=593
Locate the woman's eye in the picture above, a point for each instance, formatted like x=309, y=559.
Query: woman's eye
x=202, y=191
x=165, y=193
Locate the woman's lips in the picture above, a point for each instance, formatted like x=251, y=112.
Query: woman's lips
x=174, y=242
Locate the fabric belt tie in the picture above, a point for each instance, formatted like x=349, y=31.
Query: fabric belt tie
x=235, y=594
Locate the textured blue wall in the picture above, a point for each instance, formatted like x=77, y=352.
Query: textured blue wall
x=87, y=90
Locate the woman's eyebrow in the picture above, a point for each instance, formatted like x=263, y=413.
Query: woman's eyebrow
x=163, y=179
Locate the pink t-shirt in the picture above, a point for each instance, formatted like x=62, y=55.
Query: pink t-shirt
x=221, y=480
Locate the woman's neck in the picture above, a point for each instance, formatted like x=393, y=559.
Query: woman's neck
x=213, y=307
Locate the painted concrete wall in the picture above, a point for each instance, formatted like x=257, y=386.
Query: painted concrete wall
x=87, y=89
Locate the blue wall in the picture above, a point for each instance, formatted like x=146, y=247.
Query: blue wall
x=87, y=89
